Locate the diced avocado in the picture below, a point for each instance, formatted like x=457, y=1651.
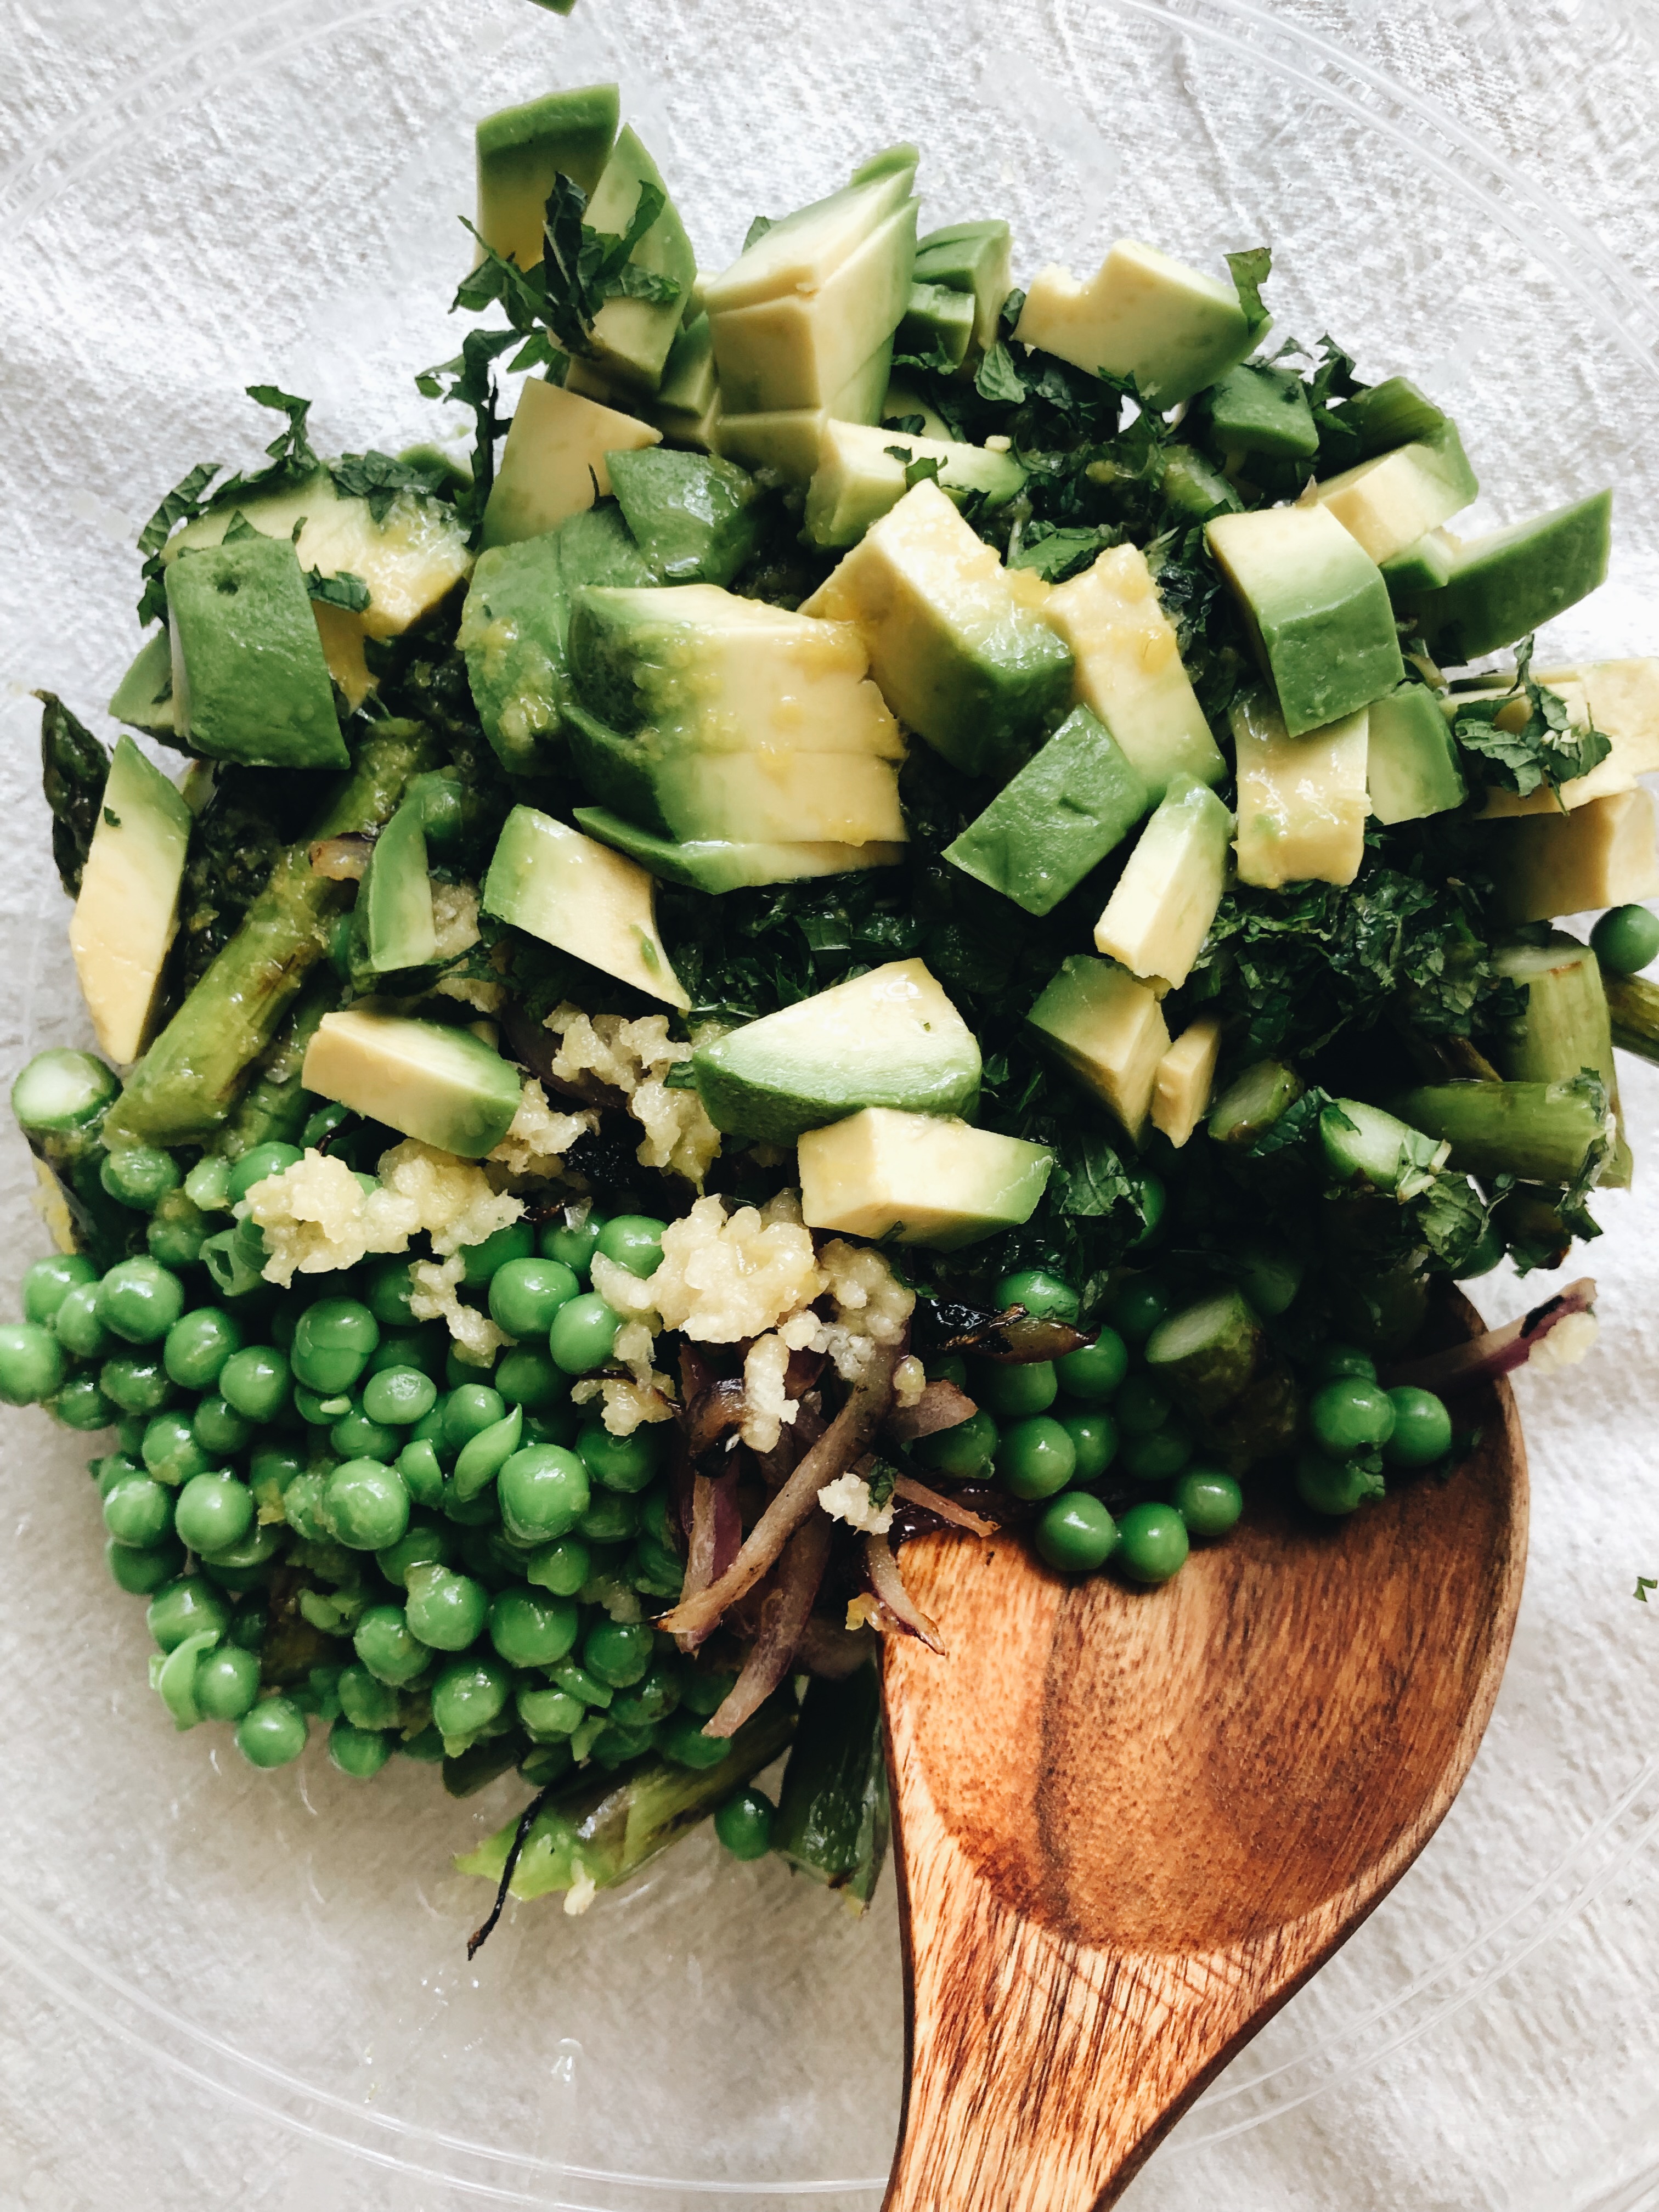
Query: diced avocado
x=1128, y=668
x=919, y=1179
x=1426, y=564
x=1072, y=803
x=1254, y=409
x=1512, y=581
x=802, y=253
x=128, y=909
x=887, y=1038
x=861, y=474
x=1383, y=416
x=1142, y=314
x=143, y=697
x=1616, y=771
x=903, y=403
x=1109, y=1030
x=692, y=515
x=1317, y=608
x=444, y=1086
x=598, y=547
x=975, y=258
x=686, y=405
x=549, y=880
x=631, y=337
x=394, y=901
x=1194, y=487
x=249, y=680
x=1411, y=760
x=553, y=457
x=714, y=864
x=1602, y=855
x=522, y=149
x=1185, y=1077
x=957, y=654
x=1302, y=800
x=1621, y=698
x=936, y=323
x=788, y=440
x=1166, y=899
x=1389, y=503
x=800, y=348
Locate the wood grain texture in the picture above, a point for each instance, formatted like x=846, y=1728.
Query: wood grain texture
x=1129, y=1824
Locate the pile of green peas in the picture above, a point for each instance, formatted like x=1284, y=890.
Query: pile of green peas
x=1355, y=1427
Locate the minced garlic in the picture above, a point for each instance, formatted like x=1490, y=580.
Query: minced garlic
x=848, y=1499
x=909, y=1380
x=1567, y=1343
x=539, y=1138
x=723, y=1277
x=768, y=1409
x=624, y=1404
x=433, y=1285
x=634, y=1057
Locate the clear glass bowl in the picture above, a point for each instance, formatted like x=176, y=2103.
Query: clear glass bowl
x=255, y=1986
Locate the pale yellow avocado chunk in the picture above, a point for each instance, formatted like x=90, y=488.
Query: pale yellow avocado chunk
x=1388, y=502
x=1128, y=668
x=801, y=348
x=918, y=1178
x=1302, y=801
x=1602, y=855
x=553, y=458
x=1163, y=903
x=801, y=253
x=1185, y=1078
x=1141, y=314
x=791, y=439
x=1109, y=1030
x=570, y=891
x=127, y=909
x=444, y=1086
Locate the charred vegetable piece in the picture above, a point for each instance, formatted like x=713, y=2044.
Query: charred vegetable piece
x=833, y=1820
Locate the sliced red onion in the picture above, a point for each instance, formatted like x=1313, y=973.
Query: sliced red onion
x=716, y=1536
x=941, y=1405
x=1496, y=1350
x=785, y=1612
x=896, y=1609
x=716, y=1410
x=957, y=1517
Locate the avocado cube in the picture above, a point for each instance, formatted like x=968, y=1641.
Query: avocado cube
x=790, y=440
x=1599, y=855
x=1411, y=759
x=936, y=323
x=1425, y=565
x=1163, y=903
x=1072, y=803
x=1256, y=409
x=249, y=680
x=919, y=1179
x=1389, y=503
x=887, y=1038
x=957, y=654
x=394, y=913
x=1184, y=1079
x=1316, y=607
x=1383, y=416
x=128, y=909
x=723, y=865
x=1128, y=667
x=1302, y=799
x=553, y=459
x=1615, y=772
x=692, y=515
x=522, y=149
x=802, y=253
x=143, y=697
x=975, y=258
x=1108, y=1031
x=801, y=348
x=686, y=405
x=1142, y=314
x=442, y=1086
x=549, y=880
x=861, y=474
x=631, y=337
x=1512, y=581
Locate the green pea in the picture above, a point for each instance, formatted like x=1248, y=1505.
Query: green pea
x=573, y=1246
x=1136, y=1304
x=213, y=1511
x=187, y=1607
x=583, y=1334
x=483, y=1260
x=634, y=1241
x=271, y=1732
x=232, y=1563
x=469, y=1410
x=965, y=1453
x=360, y=1752
x=170, y=1451
x=441, y=800
x=271, y=1470
x=257, y=1382
x=332, y=1342
x=384, y=1644
x=198, y=1345
x=460, y=1370
x=31, y=1364
x=1075, y=1533
x=1338, y=1361
x=398, y=1397
x=524, y=1294
x=1208, y=1501
x=1422, y=1426
x=681, y=1740
x=611, y=1518
x=1094, y=1370
x=254, y=1166
x=77, y=1324
x=444, y=1610
x=138, y=1511
x=220, y=1430
x=744, y=1824
x=626, y=1464
x=140, y=1300
x=1014, y=1390
x=177, y=1231
x=318, y=1412
x=528, y=1629
x=467, y=1695
x=354, y=1435
x=1044, y=1297
x=476, y=1512
x=48, y=1282
x=1350, y=1415
x=659, y=1517
x=424, y=1349
x=136, y=1381
x=302, y=1507
x=542, y=1492
x=140, y=1177
x=555, y=1428
x=208, y=1184
x=618, y=1653
x=1155, y=1457
x=482, y=1458
x=704, y=1691
x=387, y=1290
x=947, y=1367
x=80, y=1404
x=563, y=1567
x=1625, y=939
x=1335, y=1486
x=115, y=1467
x=130, y=1431
x=1141, y=1405
x=365, y=1504
x=486, y=1553
x=1094, y=1442
x=365, y=1701
x=141, y=1574
x=653, y=1568
x=1035, y=1457
x=1151, y=1544
x=422, y=1473
x=527, y=1376
x=548, y=1714
x=226, y=1683
x=426, y=1747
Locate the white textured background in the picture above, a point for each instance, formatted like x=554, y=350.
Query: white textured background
x=226, y=1988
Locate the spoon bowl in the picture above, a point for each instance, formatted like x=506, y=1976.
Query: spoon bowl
x=1129, y=1824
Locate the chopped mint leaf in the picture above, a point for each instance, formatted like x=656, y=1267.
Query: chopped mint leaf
x=996, y=377
x=240, y=527
x=907, y=426
x=918, y=468
x=1450, y=1217
x=470, y=380
x=182, y=504
x=1250, y=271
x=1547, y=748
x=111, y=818
x=1643, y=1584
x=1012, y=308
x=1057, y=554
x=757, y=230
x=936, y=363
x=342, y=590
x=379, y=478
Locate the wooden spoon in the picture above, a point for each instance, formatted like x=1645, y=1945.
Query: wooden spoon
x=1130, y=1825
